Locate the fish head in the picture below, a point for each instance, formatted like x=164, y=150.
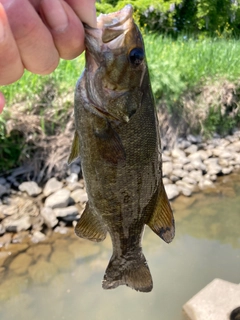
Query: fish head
x=115, y=61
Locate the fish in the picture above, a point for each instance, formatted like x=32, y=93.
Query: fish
x=118, y=141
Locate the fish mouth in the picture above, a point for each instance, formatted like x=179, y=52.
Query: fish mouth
x=112, y=27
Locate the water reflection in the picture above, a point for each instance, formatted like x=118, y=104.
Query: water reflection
x=61, y=278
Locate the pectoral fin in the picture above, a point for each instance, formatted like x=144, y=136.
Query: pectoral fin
x=109, y=143
x=90, y=226
x=162, y=220
x=75, y=149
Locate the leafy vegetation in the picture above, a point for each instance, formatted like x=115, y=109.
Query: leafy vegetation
x=191, y=72
x=198, y=18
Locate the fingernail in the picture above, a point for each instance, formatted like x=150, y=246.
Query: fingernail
x=55, y=15
x=2, y=27
x=92, y=17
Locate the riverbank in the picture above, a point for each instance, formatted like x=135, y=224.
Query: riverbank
x=31, y=210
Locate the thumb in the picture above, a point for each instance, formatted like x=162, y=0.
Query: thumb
x=2, y=102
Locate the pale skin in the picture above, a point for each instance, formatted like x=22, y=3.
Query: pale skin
x=35, y=34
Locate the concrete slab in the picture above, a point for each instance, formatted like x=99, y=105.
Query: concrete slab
x=214, y=302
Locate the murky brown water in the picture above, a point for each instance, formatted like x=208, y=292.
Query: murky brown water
x=61, y=278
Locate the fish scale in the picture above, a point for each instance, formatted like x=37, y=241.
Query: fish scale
x=117, y=139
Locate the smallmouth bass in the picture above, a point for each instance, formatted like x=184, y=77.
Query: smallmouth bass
x=117, y=138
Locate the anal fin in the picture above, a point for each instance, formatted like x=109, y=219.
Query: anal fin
x=162, y=220
x=90, y=226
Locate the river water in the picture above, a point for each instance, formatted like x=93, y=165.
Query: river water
x=61, y=277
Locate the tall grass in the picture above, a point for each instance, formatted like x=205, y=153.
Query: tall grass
x=63, y=78
x=175, y=65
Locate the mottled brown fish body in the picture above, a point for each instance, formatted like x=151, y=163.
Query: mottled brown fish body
x=117, y=138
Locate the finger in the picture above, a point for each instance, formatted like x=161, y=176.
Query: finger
x=33, y=39
x=10, y=62
x=2, y=102
x=85, y=10
x=66, y=28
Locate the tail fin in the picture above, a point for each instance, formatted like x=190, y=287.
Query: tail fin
x=132, y=272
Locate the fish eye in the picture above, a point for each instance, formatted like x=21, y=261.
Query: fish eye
x=136, y=56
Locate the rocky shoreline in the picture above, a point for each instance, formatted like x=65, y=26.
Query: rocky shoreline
x=28, y=210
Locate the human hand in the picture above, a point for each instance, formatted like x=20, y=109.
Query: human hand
x=34, y=34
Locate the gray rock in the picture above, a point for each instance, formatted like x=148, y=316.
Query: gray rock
x=79, y=195
x=189, y=180
x=3, y=181
x=74, y=168
x=191, y=149
x=74, y=186
x=204, y=154
x=183, y=144
x=177, y=165
x=223, y=162
x=180, y=173
x=38, y=236
x=69, y=214
x=61, y=230
x=182, y=161
x=49, y=217
x=185, y=191
x=194, y=139
x=16, y=224
x=188, y=167
x=227, y=170
x=212, y=177
x=166, y=181
x=198, y=165
x=52, y=186
x=185, y=185
x=167, y=168
x=58, y=199
x=196, y=175
x=72, y=178
x=211, y=161
x=31, y=187
x=166, y=158
x=2, y=229
x=172, y=191
x=3, y=190
x=226, y=155
x=205, y=183
x=236, y=146
x=177, y=153
x=214, y=302
x=214, y=169
x=5, y=240
x=174, y=178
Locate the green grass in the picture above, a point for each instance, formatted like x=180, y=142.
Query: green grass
x=175, y=65
x=176, y=68
x=63, y=78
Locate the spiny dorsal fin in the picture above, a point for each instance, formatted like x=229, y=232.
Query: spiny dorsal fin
x=90, y=226
x=162, y=220
x=75, y=149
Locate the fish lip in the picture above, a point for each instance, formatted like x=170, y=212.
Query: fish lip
x=115, y=19
x=115, y=23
